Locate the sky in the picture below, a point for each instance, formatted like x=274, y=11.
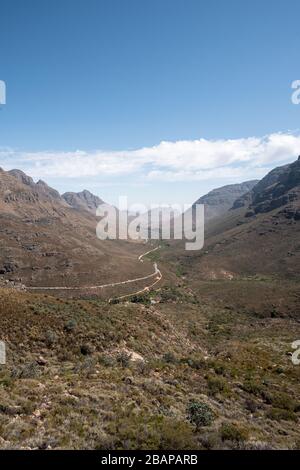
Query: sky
x=158, y=100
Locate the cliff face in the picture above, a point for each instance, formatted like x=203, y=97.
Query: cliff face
x=220, y=200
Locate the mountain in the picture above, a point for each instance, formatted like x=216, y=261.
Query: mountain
x=220, y=200
x=192, y=360
x=83, y=200
x=44, y=241
x=20, y=195
x=258, y=236
x=40, y=187
x=278, y=188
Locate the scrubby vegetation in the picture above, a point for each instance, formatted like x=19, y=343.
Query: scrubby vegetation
x=180, y=373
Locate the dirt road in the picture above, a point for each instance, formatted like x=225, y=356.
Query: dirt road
x=156, y=273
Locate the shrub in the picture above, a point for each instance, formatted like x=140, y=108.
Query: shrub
x=70, y=325
x=107, y=361
x=194, y=363
x=176, y=435
x=280, y=400
x=170, y=295
x=278, y=414
x=219, y=369
x=250, y=386
x=50, y=338
x=141, y=299
x=28, y=371
x=232, y=432
x=151, y=432
x=86, y=349
x=124, y=359
x=216, y=385
x=251, y=406
x=86, y=367
x=142, y=367
x=169, y=358
x=199, y=414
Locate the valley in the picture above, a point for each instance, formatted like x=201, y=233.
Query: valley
x=121, y=345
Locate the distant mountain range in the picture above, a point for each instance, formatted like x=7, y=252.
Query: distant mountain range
x=49, y=239
x=251, y=228
x=258, y=235
x=26, y=189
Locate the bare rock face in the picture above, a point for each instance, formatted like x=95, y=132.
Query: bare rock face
x=47, y=190
x=83, y=201
x=220, y=200
x=22, y=177
x=19, y=187
x=278, y=188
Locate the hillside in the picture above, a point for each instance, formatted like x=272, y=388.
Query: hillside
x=46, y=242
x=280, y=187
x=188, y=372
x=197, y=363
x=220, y=200
x=259, y=236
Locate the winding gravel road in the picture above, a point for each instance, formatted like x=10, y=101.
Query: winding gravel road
x=156, y=273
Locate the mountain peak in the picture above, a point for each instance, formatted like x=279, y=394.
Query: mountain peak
x=22, y=177
x=84, y=200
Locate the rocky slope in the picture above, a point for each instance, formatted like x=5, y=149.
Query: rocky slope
x=44, y=241
x=259, y=236
x=281, y=187
x=220, y=200
x=83, y=201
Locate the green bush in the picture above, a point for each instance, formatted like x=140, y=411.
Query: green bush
x=200, y=414
x=141, y=299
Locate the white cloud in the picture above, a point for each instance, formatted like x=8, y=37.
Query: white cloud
x=168, y=161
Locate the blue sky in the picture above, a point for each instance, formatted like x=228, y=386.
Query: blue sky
x=95, y=86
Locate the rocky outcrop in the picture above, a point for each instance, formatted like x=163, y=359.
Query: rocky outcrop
x=83, y=201
x=280, y=187
x=220, y=200
x=28, y=190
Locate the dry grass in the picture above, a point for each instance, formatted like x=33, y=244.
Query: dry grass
x=68, y=384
